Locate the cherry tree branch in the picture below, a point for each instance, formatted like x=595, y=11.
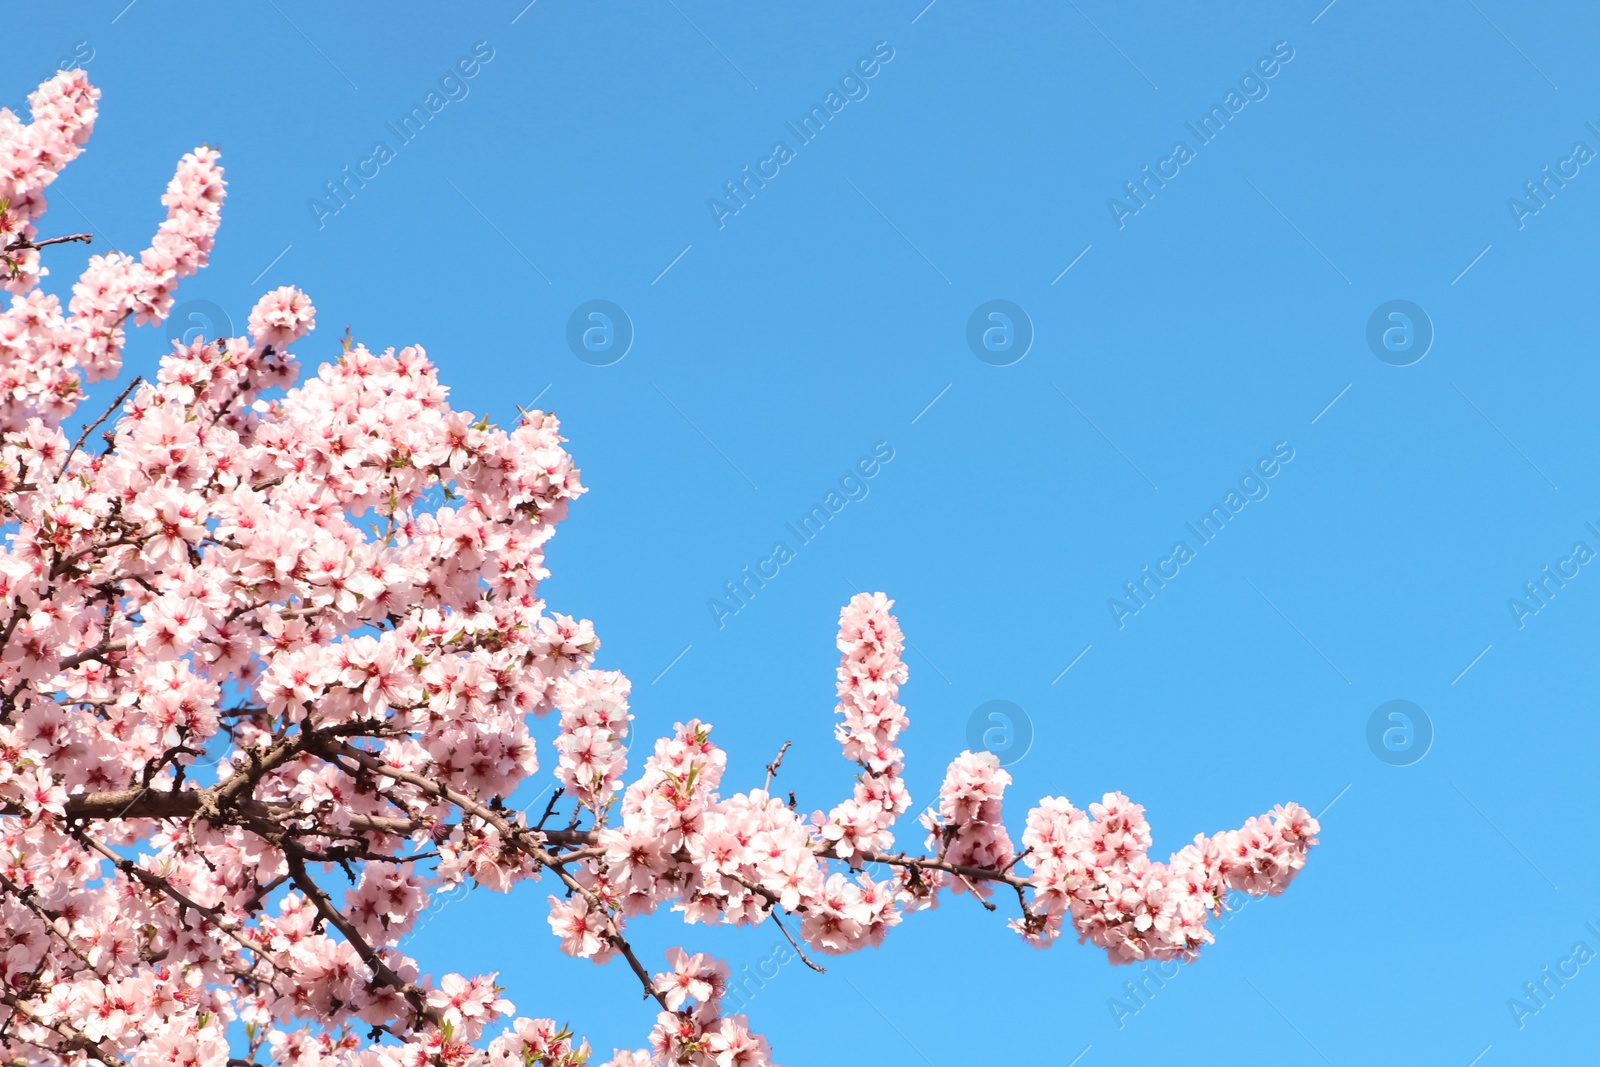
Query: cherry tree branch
x=381, y=971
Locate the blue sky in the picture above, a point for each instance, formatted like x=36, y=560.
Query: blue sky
x=1173, y=348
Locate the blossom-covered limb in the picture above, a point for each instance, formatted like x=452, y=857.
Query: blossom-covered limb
x=275, y=661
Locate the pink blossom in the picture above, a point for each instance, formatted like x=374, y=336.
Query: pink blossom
x=281, y=317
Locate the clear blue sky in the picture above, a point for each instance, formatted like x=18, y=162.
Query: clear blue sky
x=770, y=354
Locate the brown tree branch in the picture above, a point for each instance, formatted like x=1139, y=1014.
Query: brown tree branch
x=381, y=971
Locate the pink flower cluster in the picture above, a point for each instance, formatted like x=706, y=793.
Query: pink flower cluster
x=43, y=351
x=32, y=154
x=594, y=720
x=273, y=660
x=691, y=1030
x=870, y=675
x=1093, y=867
x=967, y=830
x=532, y=1043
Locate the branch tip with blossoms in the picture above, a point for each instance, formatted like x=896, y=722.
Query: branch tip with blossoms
x=222, y=696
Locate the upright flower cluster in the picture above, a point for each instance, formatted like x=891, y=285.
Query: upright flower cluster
x=273, y=657
x=871, y=673
x=32, y=154
x=594, y=720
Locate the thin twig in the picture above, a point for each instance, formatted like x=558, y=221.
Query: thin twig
x=772, y=768
x=550, y=808
x=84, y=436
x=982, y=874
x=988, y=905
x=24, y=244
x=795, y=944
x=1016, y=859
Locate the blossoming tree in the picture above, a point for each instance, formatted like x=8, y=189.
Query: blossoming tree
x=271, y=660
